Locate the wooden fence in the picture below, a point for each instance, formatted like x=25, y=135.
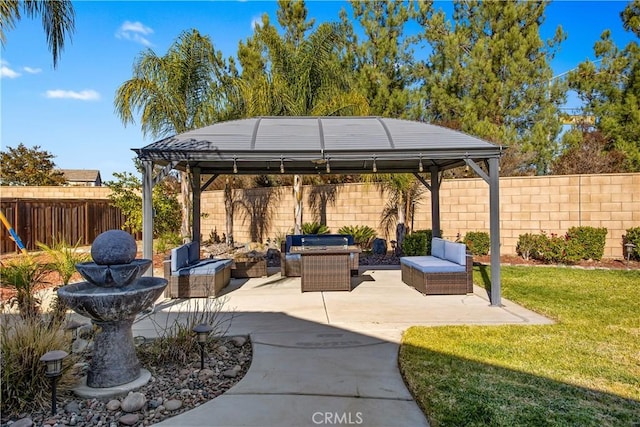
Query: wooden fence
x=42, y=220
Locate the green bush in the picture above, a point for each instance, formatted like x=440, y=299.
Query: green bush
x=591, y=239
x=428, y=236
x=24, y=341
x=24, y=274
x=529, y=245
x=632, y=236
x=167, y=241
x=363, y=235
x=314, y=228
x=478, y=242
x=560, y=249
x=414, y=244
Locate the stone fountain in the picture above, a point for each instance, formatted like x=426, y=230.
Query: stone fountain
x=112, y=296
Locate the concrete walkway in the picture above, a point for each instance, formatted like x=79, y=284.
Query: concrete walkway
x=326, y=358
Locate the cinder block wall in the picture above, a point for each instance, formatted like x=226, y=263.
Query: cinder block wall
x=527, y=205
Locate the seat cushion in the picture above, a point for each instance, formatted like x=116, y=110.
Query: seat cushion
x=437, y=247
x=431, y=264
x=206, y=267
x=194, y=252
x=179, y=258
x=455, y=252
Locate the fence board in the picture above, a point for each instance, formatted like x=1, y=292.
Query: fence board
x=39, y=220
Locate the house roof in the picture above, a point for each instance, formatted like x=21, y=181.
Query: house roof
x=84, y=175
x=311, y=145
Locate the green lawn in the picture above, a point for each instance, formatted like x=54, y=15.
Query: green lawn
x=582, y=371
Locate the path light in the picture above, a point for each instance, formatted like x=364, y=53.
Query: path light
x=202, y=332
x=629, y=247
x=53, y=361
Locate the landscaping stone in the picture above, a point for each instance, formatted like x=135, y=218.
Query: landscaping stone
x=24, y=422
x=172, y=405
x=129, y=419
x=113, y=405
x=133, y=402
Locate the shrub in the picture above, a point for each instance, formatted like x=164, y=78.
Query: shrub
x=314, y=228
x=560, y=249
x=478, y=242
x=591, y=239
x=414, y=244
x=632, y=236
x=167, y=241
x=24, y=341
x=363, y=235
x=176, y=341
x=428, y=236
x=529, y=245
x=24, y=274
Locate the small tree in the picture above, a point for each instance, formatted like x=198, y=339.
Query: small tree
x=29, y=166
x=126, y=195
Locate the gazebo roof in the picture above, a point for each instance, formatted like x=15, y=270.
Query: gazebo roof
x=312, y=145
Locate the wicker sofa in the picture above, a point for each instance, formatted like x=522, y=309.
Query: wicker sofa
x=191, y=277
x=290, y=264
x=448, y=271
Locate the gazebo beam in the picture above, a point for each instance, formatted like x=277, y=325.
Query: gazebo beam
x=494, y=230
x=436, y=231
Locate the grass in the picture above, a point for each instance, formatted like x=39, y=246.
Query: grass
x=582, y=371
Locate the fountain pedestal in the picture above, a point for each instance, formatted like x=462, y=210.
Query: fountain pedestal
x=112, y=297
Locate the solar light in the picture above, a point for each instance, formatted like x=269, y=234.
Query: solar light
x=53, y=361
x=202, y=332
x=629, y=247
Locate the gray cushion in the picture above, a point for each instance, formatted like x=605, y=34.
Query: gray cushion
x=431, y=264
x=437, y=247
x=207, y=267
x=179, y=258
x=455, y=252
x=194, y=252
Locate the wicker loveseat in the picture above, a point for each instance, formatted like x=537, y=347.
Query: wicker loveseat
x=449, y=269
x=191, y=277
x=290, y=264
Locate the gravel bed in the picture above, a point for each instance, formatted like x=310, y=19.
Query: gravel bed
x=173, y=389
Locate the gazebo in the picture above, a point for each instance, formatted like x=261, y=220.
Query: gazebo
x=324, y=145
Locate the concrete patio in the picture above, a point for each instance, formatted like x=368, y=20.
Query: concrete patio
x=327, y=357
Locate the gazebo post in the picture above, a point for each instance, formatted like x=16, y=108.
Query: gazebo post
x=494, y=230
x=147, y=212
x=435, y=202
x=196, y=205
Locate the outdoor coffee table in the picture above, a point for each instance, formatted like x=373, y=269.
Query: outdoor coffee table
x=325, y=268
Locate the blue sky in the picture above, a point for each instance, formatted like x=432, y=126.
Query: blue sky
x=69, y=111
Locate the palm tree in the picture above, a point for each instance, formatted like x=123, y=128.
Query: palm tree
x=299, y=77
x=177, y=92
x=58, y=20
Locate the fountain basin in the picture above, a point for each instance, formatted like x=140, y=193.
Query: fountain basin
x=112, y=304
x=115, y=275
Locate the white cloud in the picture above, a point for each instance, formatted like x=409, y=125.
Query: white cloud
x=6, y=71
x=135, y=31
x=256, y=21
x=84, y=95
x=31, y=70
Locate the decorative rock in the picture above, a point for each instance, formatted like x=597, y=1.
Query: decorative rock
x=79, y=346
x=230, y=373
x=24, y=422
x=113, y=247
x=85, y=331
x=379, y=246
x=113, y=405
x=133, y=402
x=239, y=341
x=222, y=349
x=205, y=374
x=72, y=407
x=173, y=404
x=128, y=419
